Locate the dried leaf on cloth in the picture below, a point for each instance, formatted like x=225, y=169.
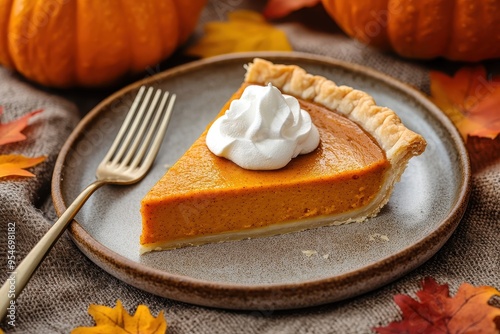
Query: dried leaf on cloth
x=437, y=312
x=14, y=165
x=117, y=321
x=469, y=99
x=11, y=132
x=244, y=31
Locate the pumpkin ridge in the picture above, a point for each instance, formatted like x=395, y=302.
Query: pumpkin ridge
x=76, y=45
x=49, y=71
x=432, y=32
x=491, y=14
x=37, y=49
x=5, y=57
x=449, y=36
x=74, y=59
x=402, y=27
x=24, y=35
x=38, y=71
x=445, y=48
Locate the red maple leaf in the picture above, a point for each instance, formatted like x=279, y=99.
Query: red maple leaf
x=437, y=312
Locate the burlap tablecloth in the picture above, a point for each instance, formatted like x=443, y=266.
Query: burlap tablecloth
x=57, y=298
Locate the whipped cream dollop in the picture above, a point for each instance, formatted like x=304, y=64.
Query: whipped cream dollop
x=263, y=130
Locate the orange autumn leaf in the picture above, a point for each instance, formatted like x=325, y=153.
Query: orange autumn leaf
x=470, y=100
x=437, y=312
x=276, y=9
x=244, y=31
x=11, y=132
x=13, y=165
x=117, y=321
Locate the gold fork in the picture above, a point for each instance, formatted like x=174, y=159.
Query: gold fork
x=128, y=160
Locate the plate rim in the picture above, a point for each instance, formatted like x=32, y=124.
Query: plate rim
x=242, y=296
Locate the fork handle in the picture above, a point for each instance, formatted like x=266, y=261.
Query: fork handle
x=21, y=275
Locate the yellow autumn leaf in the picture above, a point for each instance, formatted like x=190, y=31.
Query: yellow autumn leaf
x=13, y=165
x=117, y=321
x=244, y=31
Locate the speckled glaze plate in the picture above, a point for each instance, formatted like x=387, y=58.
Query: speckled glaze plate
x=267, y=273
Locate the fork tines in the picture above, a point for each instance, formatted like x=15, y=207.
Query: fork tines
x=143, y=129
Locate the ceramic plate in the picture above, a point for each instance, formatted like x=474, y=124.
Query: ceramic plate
x=273, y=272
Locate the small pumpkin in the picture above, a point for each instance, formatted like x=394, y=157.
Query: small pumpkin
x=464, y=30
x=64, y=43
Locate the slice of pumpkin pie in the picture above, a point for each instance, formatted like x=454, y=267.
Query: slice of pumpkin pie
x=289, y=151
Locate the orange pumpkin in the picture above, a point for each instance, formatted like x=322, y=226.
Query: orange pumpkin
x=465, y=30
x=64, y=43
